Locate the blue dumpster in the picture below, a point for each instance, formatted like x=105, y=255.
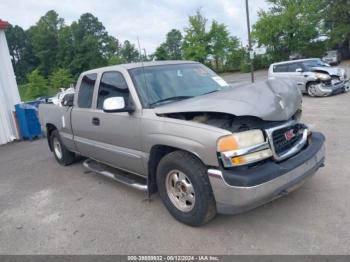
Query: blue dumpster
x=28, y=121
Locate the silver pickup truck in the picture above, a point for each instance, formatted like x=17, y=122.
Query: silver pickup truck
x=177, y=128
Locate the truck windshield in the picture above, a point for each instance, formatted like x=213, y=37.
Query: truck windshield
x=157, y=85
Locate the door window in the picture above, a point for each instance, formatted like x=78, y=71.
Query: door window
x=280, y=68
x=86, y=91
x=293, y=67
x=112, y=84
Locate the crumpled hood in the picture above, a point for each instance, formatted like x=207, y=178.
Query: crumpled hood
x=331, y=70
x=271, y=100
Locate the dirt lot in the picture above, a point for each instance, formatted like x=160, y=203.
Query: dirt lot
x=49, y=209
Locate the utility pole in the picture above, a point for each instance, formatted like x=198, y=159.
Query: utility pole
x=249, y=43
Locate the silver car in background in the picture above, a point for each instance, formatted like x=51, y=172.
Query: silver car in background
x=311, y=76
x=332, y=57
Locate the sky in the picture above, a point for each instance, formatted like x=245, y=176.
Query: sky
x=149, y=20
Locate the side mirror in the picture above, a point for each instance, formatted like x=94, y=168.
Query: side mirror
x=299, y=70
x=68, y=100
x=116, y=104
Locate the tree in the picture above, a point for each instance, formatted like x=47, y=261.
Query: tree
x=162, y=52
x=37, y=85
x=129, y=53
x=337, y=21
x=61, y=78
x=171, y=48
x=219, y=42
x=196, y=42
x=23, y=59
x=44, y=38
x=235, y=54
x=66, y=52
x=89, y=39
x=289, y=26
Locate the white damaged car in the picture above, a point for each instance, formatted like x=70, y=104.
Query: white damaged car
x=312, y=76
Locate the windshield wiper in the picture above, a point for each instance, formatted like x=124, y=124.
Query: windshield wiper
x=216, y=90
x=175, y=98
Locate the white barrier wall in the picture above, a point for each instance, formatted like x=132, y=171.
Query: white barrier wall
x=9, y=95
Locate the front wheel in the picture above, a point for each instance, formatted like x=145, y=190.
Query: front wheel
x=61, y=153
x=311, y=89
x=184, y=188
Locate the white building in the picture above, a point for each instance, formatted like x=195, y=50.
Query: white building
x=9, y=95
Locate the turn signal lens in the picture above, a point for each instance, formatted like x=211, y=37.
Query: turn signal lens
x=251, y=158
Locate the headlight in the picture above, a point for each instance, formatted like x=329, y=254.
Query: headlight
x=322, y=76
x=243, y=148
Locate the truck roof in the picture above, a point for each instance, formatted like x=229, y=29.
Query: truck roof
x=139, y=64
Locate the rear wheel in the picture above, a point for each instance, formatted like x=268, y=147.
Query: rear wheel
x=185, y=189
x=61, y=153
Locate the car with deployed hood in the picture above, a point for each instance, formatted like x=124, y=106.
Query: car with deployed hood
x=177, y=128
x=311, y=76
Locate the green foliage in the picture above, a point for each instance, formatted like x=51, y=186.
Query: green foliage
x=61, y=78
x=44, y=39
x=336, y=21
x=219, y=41
x=22, y=57
x=162, y=52
x=37, y=85
x=171, y=48
x=51, y=49
x=129, y=53
x=115, y=60
x=196, y=42
x=23, y=93
x=290, y=26
x=90, y=44
x=235, y=56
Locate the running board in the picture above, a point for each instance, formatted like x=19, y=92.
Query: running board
x=121, y=176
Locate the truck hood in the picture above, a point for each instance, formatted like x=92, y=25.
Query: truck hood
x=331, y=70
x=271, y=100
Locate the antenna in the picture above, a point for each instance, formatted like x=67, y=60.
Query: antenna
x=143, y=72
x=140, y=52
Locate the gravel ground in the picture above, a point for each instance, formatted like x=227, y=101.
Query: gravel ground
x=49, y=209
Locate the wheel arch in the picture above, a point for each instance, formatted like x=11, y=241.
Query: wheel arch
x=156, y=154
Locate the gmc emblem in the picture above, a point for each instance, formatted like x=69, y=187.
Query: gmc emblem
x=289, y=134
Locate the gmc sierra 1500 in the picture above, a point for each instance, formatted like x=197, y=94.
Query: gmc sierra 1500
x=177, y=128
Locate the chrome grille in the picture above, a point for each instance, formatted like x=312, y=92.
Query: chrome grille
x=282, y=142
x=287, y=139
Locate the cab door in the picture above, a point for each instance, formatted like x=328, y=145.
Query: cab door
x=81, y=121
x=112, y=138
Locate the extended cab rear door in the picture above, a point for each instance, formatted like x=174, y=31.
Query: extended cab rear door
x=112, y=138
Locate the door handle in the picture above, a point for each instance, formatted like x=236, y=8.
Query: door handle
x=95, y=121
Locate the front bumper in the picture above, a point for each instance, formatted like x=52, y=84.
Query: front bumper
x=333, y=89
x=262, y=184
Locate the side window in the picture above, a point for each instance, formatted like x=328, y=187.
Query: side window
x=86, y=90
x=280, y=68
x=112, y=84
x=293, y=67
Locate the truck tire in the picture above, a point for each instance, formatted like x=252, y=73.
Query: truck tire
x=184, y=188
x=63, y=156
